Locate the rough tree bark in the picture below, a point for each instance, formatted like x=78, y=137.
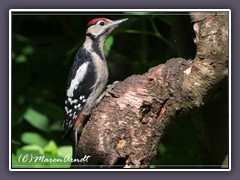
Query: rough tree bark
x=125, y=129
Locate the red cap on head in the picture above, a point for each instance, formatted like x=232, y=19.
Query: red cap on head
x=93, y=21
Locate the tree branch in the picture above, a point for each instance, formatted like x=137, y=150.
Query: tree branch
x=125, y=130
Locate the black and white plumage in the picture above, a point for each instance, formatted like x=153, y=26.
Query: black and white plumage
x=81, y=79
x=88, y=76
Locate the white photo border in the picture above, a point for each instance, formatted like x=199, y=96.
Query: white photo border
x=75, y=11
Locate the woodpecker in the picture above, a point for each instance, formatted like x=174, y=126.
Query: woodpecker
x=87, y=77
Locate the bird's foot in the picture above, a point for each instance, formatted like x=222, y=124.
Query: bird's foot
x=108, y=92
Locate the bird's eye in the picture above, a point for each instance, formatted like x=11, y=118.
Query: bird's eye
x=102, y=23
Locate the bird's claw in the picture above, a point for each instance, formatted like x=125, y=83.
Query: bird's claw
x=108, y=92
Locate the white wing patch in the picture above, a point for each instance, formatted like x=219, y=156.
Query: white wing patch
x=81, y=72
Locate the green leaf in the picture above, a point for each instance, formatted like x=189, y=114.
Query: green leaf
x=51, y=147
x=21, y=59
x=108, y=45
x=56, y=126
x=20, y=38
x=33, y=139
x=25, y=155
x=161, y=148
x=51, y=110
x=64, y=151
x=16, y=142
x=15, y=162
x=28, y=50
x=36, y=119
x=32, y=149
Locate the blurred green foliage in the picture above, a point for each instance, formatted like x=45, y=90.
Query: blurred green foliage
x=43, y=48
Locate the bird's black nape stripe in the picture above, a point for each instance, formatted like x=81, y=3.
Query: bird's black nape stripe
x=96, y=48
x=93, y=38
x=95, y=45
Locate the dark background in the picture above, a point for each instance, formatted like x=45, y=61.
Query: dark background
x=6, y=5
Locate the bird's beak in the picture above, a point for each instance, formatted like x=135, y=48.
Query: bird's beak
x=119, y=21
